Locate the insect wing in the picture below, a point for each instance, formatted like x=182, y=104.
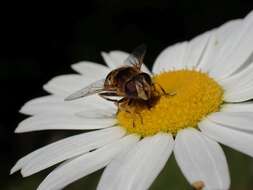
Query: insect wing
x=136, y=57
x=93, y=88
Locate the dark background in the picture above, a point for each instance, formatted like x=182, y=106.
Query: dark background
x=40, y=41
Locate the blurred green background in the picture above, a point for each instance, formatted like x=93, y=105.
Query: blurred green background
x=41, y=40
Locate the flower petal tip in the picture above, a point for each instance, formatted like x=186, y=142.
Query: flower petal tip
x=20, y=128
x=13, y=170
x=23, y=110
x=103, y=54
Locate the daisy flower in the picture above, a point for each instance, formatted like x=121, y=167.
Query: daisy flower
x=211, y=78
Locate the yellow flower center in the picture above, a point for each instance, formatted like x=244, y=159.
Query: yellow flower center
x=185, y=97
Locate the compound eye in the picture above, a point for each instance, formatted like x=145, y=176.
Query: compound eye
x=130, y=89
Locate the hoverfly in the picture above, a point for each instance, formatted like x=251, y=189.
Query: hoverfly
x=127, y=82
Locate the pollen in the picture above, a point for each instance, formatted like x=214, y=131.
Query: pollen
x=184, y=97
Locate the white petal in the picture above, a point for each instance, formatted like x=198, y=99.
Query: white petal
x=242, y=80
x=230, y=48
x=171, y=58
x=62, y=121
x=201, y=159
x=65, y=149
x=218, y=45
x=182, y=55
x=195, y=50
x=238, y=87
x=69, y=148
x=88, y=106
x=85, y=164
x=240, y=95
x=63, y=85
x=48, y=105
x=110, y=62
x=98, y=113
x=240, y=48
x=95, y=101
x=138, y=168
x=235, y=139
x=240, y=120
x=28, y=107
x=118, y=56
x=238, y=107
x=91, y=70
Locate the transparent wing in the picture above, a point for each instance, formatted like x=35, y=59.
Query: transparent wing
x=93, y=88
x=136, y=57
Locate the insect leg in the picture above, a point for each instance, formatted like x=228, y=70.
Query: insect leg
x=123, y=101
x=149, y=104
x=141, y=120
x=166, y=93
x=133, y=124
x=112, y=93
x=130, y=102
x=105, y=94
